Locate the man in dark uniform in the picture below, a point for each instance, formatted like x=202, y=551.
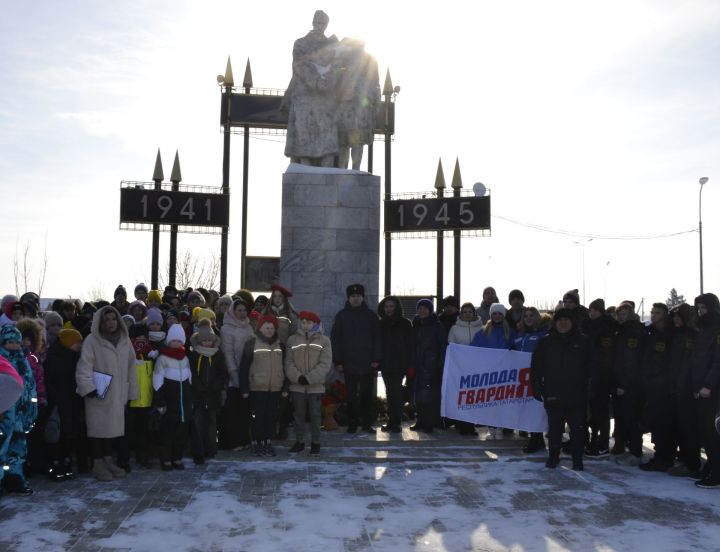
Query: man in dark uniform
x=357, y=351
x=559, y=372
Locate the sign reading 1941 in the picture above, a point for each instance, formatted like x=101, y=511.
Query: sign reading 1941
x=442, y=213
x=166, y=207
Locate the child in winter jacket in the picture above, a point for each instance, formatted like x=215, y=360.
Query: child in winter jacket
x=173, y=398
x=308, y=360
x=262, y=378
x=18, y=420
x=155, y=322
x=137, y=415
x=209, y=377
x=63, y=402
x=33, y=346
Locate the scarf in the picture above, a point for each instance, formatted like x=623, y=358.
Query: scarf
x=156, y=336
x=178, y=353
x=205, y=351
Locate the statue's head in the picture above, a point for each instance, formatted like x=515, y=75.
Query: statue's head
x=320, y=21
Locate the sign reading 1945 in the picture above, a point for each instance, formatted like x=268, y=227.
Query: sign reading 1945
x=166, y=207
x=442, y=213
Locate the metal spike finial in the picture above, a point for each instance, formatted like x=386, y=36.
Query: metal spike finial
x=247, y=79
x=158, y=172
x=440, y=177
x=457, y=179
x=229, y=80
x=175, y=176
x=388, y=86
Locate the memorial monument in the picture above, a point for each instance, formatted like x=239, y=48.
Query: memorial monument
x=330, y=215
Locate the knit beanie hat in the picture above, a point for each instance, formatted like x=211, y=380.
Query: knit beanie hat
x=52, y=319
x=195, y=295
x=155, y=295
x=201, y=314
x=564, y=313
x=128, y=319
x=138, y=329
x=154, y=315
x=598, y=305
x=9, y=333
x=425, y=302
x=120, y=290
x=572, y=295
x=498, y=307
x=451, y=301
x=141, y=287
x=175, y=333
x=224, y=300
x=69, y=337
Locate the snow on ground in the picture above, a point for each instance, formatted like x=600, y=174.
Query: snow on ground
x=232, y=505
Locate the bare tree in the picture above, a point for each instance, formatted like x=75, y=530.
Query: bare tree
x=22, y=270
x=95, y=293
x=193, y=272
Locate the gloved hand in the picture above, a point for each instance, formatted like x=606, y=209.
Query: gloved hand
x=153, y=355
x=161, y=410
x=302, y=380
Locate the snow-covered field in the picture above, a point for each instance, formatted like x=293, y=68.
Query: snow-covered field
x=233, y=504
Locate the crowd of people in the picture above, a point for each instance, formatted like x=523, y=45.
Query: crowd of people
x=177, y=371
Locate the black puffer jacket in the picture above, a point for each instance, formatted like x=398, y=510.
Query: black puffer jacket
x=656, y=369
x=601, y=332
x=59, y=365
x=560, y=368
x=629, y=346
x=681, y=358
x=398, y=340
x=706, y=360
x=356, y=340
x=430, y=342
x=208, y=378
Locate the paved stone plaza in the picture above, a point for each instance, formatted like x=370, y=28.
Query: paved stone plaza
x=403, y=492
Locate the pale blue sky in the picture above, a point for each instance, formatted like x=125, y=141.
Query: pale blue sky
x=593, y=119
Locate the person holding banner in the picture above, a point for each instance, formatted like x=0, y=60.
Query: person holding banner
x=532, y=328
x=430, y=343
x=559, y=372
x=495, y=335
x=468, y=324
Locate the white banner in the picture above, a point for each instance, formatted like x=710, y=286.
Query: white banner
x=490, y=387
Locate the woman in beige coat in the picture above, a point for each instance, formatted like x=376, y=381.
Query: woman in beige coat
x=234, y=423
x=107, y=355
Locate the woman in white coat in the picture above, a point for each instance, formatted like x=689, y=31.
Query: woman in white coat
x=105, y=377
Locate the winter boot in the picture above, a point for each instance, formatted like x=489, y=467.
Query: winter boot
x=259, y=448
x=269, y=450
x=100, y=470
x=299, y=446
x=618, y=448
x=56, y=472
x=114, y=469
x=17, y=484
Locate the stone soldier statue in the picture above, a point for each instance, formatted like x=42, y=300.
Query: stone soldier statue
x=312, y=134
x=358, y=92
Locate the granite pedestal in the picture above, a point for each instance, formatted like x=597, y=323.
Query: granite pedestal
x=330, y=237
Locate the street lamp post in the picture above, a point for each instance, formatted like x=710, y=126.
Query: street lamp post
x=584, y=298
x=702, y=181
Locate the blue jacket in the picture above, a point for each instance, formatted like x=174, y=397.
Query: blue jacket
x=23, y=414
x=496, y=339
x=526, y=341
